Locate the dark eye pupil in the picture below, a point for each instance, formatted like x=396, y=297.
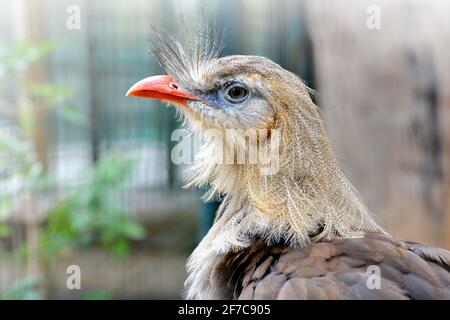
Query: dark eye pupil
x=237, y=93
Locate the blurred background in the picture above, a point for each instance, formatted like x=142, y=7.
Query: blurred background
x=85, y=173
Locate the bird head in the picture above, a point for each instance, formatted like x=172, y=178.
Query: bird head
x=233, y=92
x=308, y=194
x=233, y=95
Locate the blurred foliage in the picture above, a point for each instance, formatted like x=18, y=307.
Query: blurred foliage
x=24, y=289
x=97, y=295
x=20, y=56
x=19, y=167
x=21, y=172
x=92, y=213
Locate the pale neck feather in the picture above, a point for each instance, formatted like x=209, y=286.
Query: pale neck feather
x=308, y=199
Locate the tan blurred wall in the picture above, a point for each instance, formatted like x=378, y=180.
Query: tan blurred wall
x=385, y=96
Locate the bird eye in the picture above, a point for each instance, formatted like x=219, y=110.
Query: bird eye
x=236, y=93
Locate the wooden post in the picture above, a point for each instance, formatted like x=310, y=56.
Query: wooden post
x=446, y=163
x=27, y=27
x=27, y=18
x=94, y=112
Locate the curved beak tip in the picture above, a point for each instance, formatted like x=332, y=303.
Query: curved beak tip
x=139, y=86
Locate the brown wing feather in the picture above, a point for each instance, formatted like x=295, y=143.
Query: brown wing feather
x=337, y=269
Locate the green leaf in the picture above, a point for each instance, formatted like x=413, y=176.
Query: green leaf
x=121, y=248
x=51, y=93
x=26, y=119
x=5, y=230
x=72, y=115
x=22, y=55
x=133, y=230
x=24, y=289
x=5, y=208
x=12, y=144
x=98, y=295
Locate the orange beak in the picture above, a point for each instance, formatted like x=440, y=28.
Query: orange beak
x=162, y=88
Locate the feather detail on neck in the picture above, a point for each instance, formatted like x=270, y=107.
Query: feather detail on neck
x=307, y=199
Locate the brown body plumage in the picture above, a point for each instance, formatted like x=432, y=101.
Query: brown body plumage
x=301, y=231
x=335, y=269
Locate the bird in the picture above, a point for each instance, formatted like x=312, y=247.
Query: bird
x=300, y=231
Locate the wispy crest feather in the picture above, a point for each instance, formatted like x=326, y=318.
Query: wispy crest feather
x=187, y=61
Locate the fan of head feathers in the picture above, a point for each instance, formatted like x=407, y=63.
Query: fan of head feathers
x=187, y=63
